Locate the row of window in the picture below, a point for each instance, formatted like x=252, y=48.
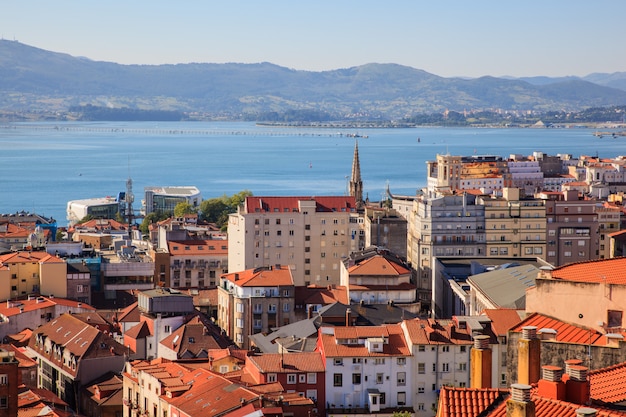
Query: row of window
x=309, y=378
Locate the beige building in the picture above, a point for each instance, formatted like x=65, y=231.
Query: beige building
x=26, y=272
x=196, y=263
x=514, y=227
x=254, y=301
x=310, y=234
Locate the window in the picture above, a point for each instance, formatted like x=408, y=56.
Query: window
x=421, y=407
x=311, y=378
x=337, y=380
x=421, y=368
x=4, y=379
x=167, y=328
x=445, y=367
x=356, y=379
x=401, y=379
x=445, y=348
x=302, y=378
x=291, y=378
x=338, y=362
x=380, y=378
x=421, y=388
x=239, y=307
x=239, y=323
x=271, y=377
x=421, y=348
x=4, y=402
x=401, y=361
x=402, y=398
x=463, y=349
x=463, y=366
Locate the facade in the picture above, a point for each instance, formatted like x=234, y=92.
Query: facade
x=79, y=282
x=99, y=208
x=386, y=229
x=452, y=225
x=195, y=263
x=367, y=369
x=72, y=353
x=9, y=383
x=165, y=199
x=32, y=272
x=310, y=234
x=377, y=277
x=254, y=301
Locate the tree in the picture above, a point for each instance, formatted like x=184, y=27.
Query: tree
x=155, y=216
x=216, y=210
x=183, y=208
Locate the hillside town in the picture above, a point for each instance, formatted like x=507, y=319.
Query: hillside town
x=496, y=290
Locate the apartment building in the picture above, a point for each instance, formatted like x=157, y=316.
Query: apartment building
x=195, y=263
x=310, y=234
x=164, y=199
x=452, y=225
x=368, y=369
x=255, y=300
x=32, y=272
x=514, y=226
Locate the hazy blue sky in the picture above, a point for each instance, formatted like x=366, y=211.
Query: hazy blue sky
x=447, y=38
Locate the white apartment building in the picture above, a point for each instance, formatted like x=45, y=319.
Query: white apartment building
x=164, y=199
x=367, y=369
x=310, y=234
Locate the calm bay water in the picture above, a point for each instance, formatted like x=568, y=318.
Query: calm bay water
x=44, y=165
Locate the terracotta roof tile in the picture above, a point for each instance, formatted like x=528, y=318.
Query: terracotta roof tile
x=292, y=362
x=198, y=247
x=610, y=271
x=397, y=345
x=290, y=204
x=566, y=332
x=609, y=384
x=441, y=332
x=503, y=319
x=262, y=277
x=468, y=402
x=378, y=266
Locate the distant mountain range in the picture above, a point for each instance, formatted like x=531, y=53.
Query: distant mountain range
x=36, y=80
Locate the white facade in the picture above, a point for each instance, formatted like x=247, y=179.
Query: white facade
x=165, y=198
x=101, y=207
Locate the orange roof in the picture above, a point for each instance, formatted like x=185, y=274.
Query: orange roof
x=467, y=402
x=29, y=257
x=290, y=204
x=13, y=308
x=262, y=277
x=314, y=294
x=503, y=319
x=565, y=332
x=378, y=265
x=441, y=332
x=546, y=407
x=609, y=271
x=291, y=362
x=198, y=247
x=396, y=346
x=609, y=384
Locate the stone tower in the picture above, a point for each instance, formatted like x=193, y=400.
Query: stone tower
x=356, y=184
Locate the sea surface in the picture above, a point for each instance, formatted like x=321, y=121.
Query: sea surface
x=45, y=165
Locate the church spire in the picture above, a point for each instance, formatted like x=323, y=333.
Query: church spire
x=356, y=184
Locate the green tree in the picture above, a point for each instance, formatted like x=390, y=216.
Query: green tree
x=216, y=210
x=183, y=208
x=153, y=217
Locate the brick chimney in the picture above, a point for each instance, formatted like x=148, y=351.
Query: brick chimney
x=519, y=404
x=348, y=311
x=577, y=386
x=551, y=384
x=480, y=363
x=528, y=356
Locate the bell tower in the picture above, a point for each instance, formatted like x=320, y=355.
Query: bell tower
x=356, y=184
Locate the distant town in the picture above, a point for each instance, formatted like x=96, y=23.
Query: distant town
x=499, y=289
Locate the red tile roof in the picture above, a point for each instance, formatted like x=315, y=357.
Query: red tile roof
x=440, y=332
x=291, y=362
x=13, y=308
x=468, y=402
x=503, y=319
x=198, y=247
x=29, y=257
x=609, y=384
x=321, y=295
x=378, y=265
x=609, y=271
x=262, y=277
x=290, y=204
x=397, y=346
x=566, y=332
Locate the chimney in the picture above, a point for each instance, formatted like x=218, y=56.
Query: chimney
x=548, y=334
x=348, y=311
x=519, y=404
x=551, y=385
x=568, y=364
x=309, y=312
x=586, y=412
x=577, y=386
x=528, y=356
x=480, y=363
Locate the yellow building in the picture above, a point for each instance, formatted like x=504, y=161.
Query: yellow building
x=23, y=273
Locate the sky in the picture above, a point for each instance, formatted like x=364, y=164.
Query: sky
x=443, y=37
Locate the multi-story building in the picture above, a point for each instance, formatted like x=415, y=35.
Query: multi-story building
x=310, y=234
x=301, y=372
x=79, y=282
x=386, y=229
x=368, y=369
x=32, y=272
x=71, y=353
x=9, y=383
x=514, y=226
x=194, y=263
x=525, y=173
x=254, y=301
x=452, y=225
x=99, y=208
x=578, y=230
x=165, y=199
x=377, y=277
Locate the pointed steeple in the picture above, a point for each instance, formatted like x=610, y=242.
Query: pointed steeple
x=356, y=184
